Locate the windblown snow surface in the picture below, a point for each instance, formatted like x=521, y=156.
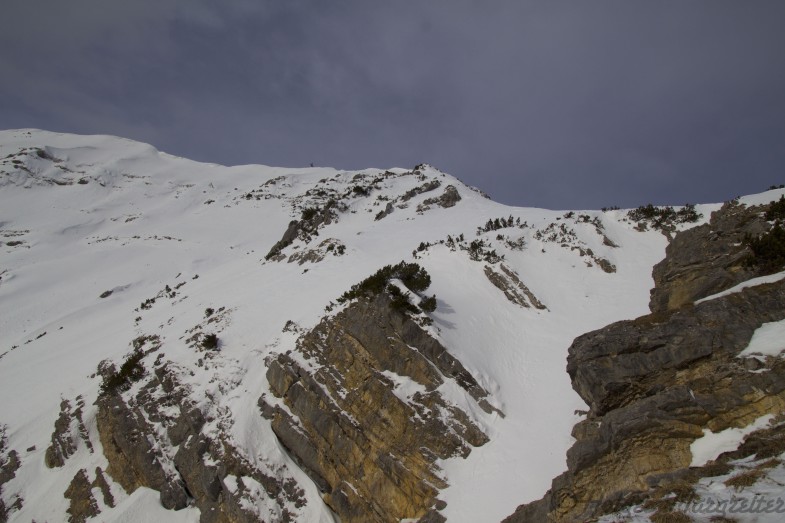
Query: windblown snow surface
x=84, y=215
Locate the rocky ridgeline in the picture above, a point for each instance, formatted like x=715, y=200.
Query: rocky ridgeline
x=363, y=414
x=655, y=383
x=325, y=203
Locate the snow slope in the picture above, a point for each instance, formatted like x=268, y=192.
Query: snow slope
x=96, y=213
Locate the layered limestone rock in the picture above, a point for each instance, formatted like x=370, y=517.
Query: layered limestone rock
x=655, y=383
x=363, y=414
x=706, y=259
x=154, y=438
x=82, y=504
x=507, y=281
x=69, y=428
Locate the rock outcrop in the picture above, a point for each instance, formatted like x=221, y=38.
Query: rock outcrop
x=184, y=464
x=362, y=412
x=706, y=259
x=311, y=220
x=69, y=429
x=449, y=198
x=9, y=464
x=134, y=458
x=513, y=288
x=431, y=185
x=82, y=504
x=655, y=383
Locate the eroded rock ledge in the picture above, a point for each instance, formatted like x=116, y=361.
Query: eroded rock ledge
x=364, y=414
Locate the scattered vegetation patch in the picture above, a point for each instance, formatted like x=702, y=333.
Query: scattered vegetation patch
x=166, y=292
x=210, y=341
x=501, y=223
x=776, y=210
x=517, y=244
x=664, y=217
x=745, y=479
x=141, y=341
x=423, y=247
x=400, y=301
x=716, y=468
x=309, y=213
x=428, y=304
x=130, y=371
x=411, y=275
x=480, y=251
x=359, y=190
x=147, y=304
x=556, y=233
x=660, y=504
x=767, y=250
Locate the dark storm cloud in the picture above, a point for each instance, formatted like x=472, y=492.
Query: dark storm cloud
x=561, y=104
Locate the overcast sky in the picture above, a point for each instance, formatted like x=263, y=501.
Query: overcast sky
x=551, y=103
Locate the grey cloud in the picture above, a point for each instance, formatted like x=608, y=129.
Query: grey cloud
x=561, y=104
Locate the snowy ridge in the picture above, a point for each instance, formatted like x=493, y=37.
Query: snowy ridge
x=164, y=239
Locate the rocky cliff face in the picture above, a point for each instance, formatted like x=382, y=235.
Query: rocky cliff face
x=362, y=405
x=655, y=383
x=706, y=259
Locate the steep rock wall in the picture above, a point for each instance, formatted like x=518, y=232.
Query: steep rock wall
x=364, y=414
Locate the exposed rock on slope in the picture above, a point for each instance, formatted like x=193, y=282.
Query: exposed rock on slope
x=365, y=412
x=82, y=504
x=706, y=259
x=654, y=384
x=449, y=198
x=311, y=221
x=9, y=464
x=513, y=288
x=69, y=427
x=155, y=439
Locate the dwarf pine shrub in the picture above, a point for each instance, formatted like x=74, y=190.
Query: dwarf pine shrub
x=411, y=275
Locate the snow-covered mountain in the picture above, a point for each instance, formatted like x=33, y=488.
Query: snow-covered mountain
x=119, y=262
